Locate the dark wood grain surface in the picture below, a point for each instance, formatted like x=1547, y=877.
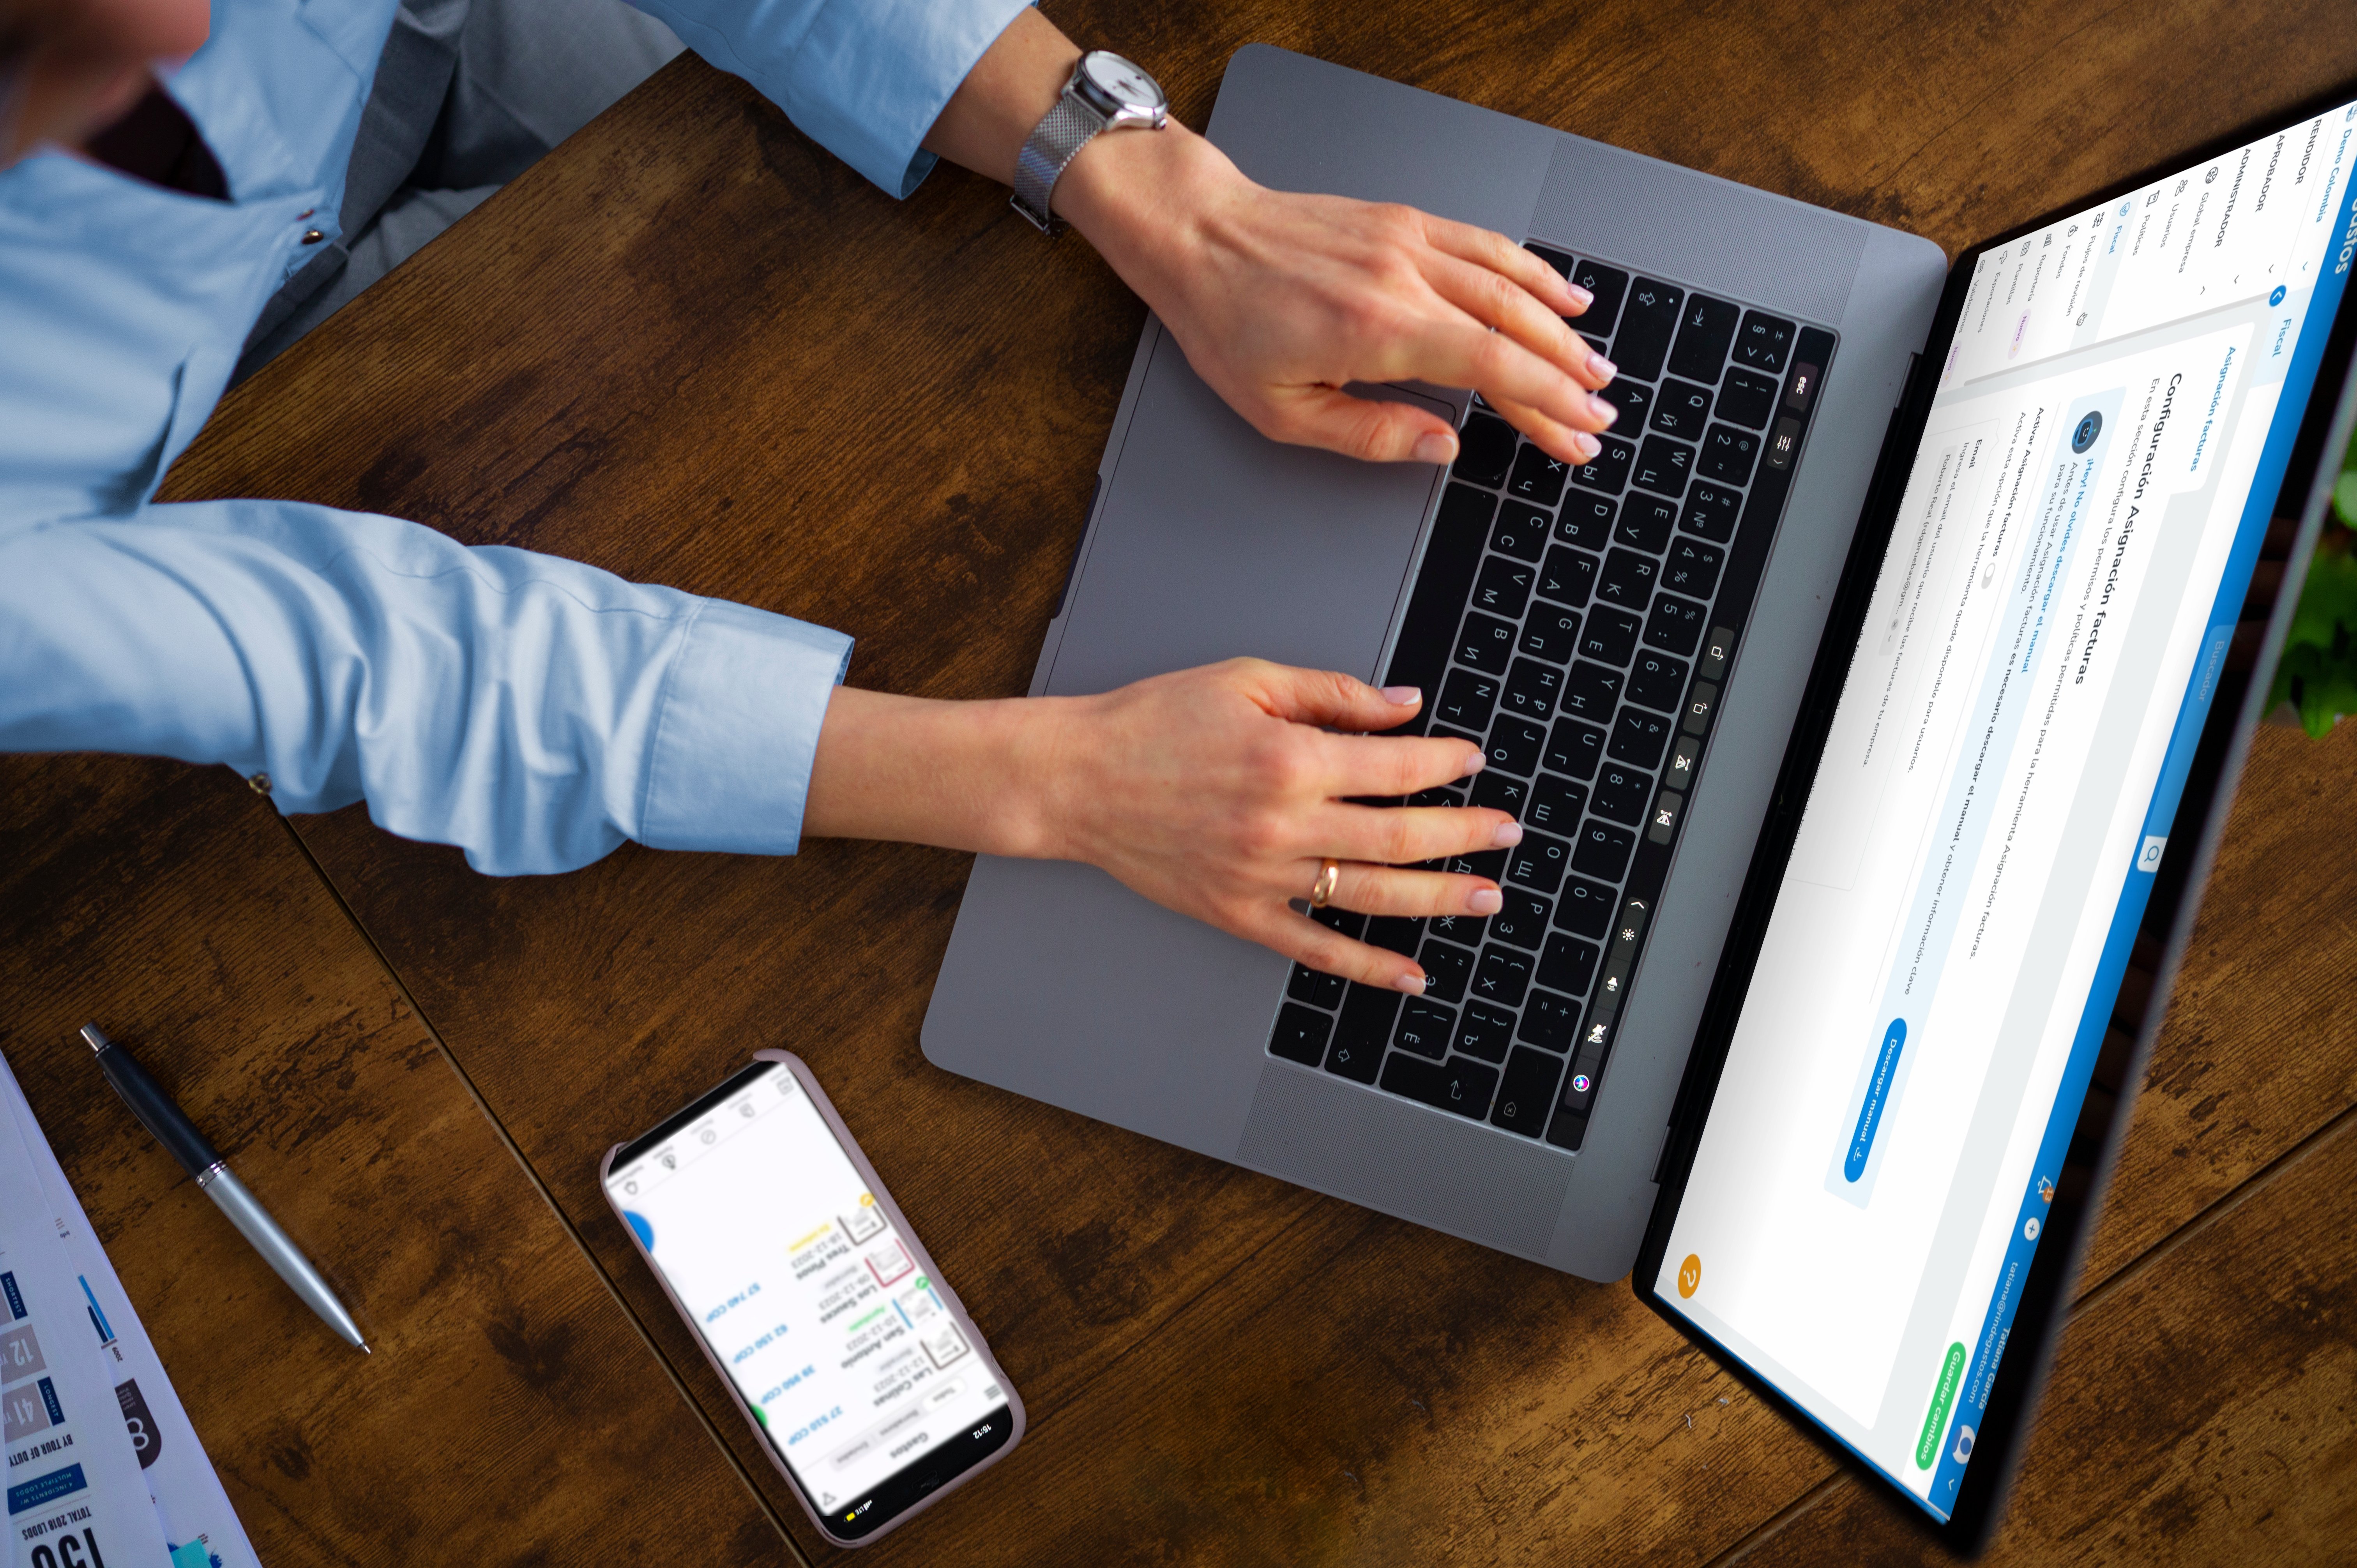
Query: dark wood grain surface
x=691, y=347
x=510, y=1412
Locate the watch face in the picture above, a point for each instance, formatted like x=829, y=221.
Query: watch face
x=1120, y=81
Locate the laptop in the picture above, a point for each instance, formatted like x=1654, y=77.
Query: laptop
x=1853, y=699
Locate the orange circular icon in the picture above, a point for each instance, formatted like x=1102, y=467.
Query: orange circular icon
x=1690, y=1274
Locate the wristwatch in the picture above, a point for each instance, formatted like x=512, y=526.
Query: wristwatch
x=1106, y=92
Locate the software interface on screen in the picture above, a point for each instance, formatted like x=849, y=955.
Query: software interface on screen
x=2111, y=425
x=809, y=1296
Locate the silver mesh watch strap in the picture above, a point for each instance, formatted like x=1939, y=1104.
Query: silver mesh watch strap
x=1051, y=145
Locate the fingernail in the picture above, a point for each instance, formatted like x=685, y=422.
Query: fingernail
x=1405, y=697
x=1434, y=447
x=1411, y=983
x=1485, y=901
x=1605, y=409
x=1579, y=297
x=1603, y=367
x=1508, y=835
x=1472, y=765
x=1585, y=446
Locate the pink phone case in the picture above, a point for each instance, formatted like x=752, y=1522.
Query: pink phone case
x=795, y=1065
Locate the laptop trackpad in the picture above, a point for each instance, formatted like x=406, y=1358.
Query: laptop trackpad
x=1213, y=541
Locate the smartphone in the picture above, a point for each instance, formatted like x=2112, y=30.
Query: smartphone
x=872, y=1391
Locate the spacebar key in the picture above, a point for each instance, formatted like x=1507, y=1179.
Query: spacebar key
x=1464, y=1087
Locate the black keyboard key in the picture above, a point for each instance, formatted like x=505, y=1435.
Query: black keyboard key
x=1395, y=933
x=1747, y=398
x=1639, y=738
x=1683, y=757
x=1464, y=928
x=1551, y=634
x=1568, y=965
x=1727, y=455
x=1459, y=1085
x=1584, y=907
x=1608, y=285
x=1702, y=703
x=1711, y=511
x=1575, y=747
x=1633, y=399
x=1663, y=824
x=1627, y=580
x=1446, y=970
x=1503, y=587
x=1484, y=449
x=1663, y=465
x=1501, y=976
x=1315, y=987
x=1489, y=864
x=1586, y=521
x=1657, y=680
x=1784, y=440
x=1350, y=925
x=1602, y=851
x=1520, y=531
x=1300, y=1035
x=1622, y=793
x=1501, y=793
x=1536, y=477
x=1451, y=555
x=1549, y=1022
x=1487, y=643
x=1556, y=803
x=1515, y=747
x=1611, y=636
x=1761, y=343
x=1484, y=1032
x=1607, y=471
x=1553, y=258
x=1592, y=691
x=1647, y=323
x=1438, y=796
x=1693, y=567
x=1526, y=1093
x=1361, y=1032
x=1567, y=577
x=1466, y=700
x=1645, y=524
x=1532, y=690
x=1522, y=920
x=1676, y=624
x=1705, y=331
x=1537, y=861
x=1683, y=410
x=1425, y=1027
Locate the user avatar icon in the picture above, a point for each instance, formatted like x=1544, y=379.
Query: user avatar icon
x=1690, y=1275
x=2082, y=434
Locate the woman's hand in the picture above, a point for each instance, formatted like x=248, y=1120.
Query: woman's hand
x=1217, y=791
x=1279, y=299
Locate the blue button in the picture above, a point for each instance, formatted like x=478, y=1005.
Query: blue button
x=1869, y=1115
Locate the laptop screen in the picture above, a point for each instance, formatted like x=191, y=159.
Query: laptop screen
x=2113, y=418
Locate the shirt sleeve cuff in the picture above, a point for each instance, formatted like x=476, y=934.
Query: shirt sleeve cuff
x=731, y=765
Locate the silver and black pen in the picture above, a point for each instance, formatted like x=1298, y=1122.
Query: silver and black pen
x=171, y=1127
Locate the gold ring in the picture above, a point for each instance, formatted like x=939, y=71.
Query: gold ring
x=1321, y=892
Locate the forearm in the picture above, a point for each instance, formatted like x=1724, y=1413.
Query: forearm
x=957, y=774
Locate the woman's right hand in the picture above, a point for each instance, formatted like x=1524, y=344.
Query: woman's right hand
x=1217, y=791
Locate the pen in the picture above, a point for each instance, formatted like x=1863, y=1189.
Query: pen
x=171, y=1127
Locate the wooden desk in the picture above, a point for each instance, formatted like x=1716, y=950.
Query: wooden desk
x=692, y=348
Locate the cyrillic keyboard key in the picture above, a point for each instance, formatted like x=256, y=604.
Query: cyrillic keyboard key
x=1607, y=471
x=1551, y=634
x=1526, y=1092
x=1463, y=930
x=1761, y=342
x=1639, y=737
x=1484, y=1032
x=1692, y=567
x=1503, y=587
x=1584, y=907
x=1663, y=466
x=1300, y=1035
x=1446, y=970
x=1467, y=698
x=1501, y=976
x=1683, y=410
x=1425, y=1027
x=1549, y=1021
x=1461, y=1086
x=1537, y=861
x=1711, y=511
x=1486, y=643
x=1395, y=933
x=1645, y=523
x=1727, y=455
x=1657, y=680
x=1567, y=577
x=1574, y=748
x=1522, y=920
x=1592, y=691
x=1537, y=475
x=1515, y=746
x=1532, y=689
x=1500, y=793
x=1520, y=531
x=1747, y=398
x=1627, y=580
x=1622, y=793
x=1611, y=637
x=1633, y=399
x=1568, y=965
x=1555, y=803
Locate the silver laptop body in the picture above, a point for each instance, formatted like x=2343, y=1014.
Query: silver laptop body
x=1207, y=541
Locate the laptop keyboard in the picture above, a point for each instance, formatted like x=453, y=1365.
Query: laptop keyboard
x=1578, y=622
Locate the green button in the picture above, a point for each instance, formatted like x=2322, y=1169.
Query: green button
x=1951, y=1373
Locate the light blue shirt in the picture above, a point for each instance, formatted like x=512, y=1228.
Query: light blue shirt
x=535, y=712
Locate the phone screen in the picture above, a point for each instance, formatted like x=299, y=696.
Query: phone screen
x=856, y=1370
